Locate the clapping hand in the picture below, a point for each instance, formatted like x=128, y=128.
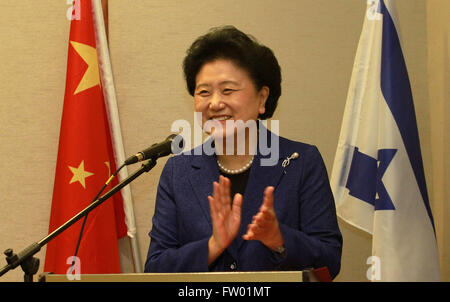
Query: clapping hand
x=226, y=220
x=264, y=226
x=225, y=216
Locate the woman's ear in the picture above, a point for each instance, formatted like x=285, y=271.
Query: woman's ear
x=263, y=95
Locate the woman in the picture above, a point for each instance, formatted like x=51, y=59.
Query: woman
x=228, y=211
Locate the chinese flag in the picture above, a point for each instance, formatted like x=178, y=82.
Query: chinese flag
x=85, y=162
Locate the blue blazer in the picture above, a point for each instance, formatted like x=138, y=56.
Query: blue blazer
x=303, y=203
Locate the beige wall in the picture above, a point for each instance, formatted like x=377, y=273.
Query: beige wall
x=315, y=42
x=438, y=46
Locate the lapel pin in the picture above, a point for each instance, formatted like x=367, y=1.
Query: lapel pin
x=288, y=160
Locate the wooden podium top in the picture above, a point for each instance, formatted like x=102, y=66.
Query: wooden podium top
x=277, y=276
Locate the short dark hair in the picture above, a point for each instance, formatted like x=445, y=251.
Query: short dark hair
x=230, y=43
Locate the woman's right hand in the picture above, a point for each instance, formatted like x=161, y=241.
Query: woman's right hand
x=225, y=216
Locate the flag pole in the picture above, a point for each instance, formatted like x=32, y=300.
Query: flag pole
x=113, y=116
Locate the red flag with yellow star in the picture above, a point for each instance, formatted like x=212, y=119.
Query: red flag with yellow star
x=85, y=162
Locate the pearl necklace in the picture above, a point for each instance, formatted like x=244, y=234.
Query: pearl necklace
x=236, y=171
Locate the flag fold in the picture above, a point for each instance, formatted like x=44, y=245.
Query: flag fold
x=85, y=162
x=378, y=178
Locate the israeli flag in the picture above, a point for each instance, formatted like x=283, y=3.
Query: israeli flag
x=378, y=178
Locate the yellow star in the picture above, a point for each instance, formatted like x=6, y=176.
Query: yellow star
x=79, y=174
x=91, y=76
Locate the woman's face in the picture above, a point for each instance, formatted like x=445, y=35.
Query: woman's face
x=225, y=91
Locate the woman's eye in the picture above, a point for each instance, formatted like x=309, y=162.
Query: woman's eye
x=228, y=90
x=203, y=92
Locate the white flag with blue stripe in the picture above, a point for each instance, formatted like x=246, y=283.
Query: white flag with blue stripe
x=378, y=179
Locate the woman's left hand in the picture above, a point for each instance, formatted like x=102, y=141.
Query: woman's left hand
x=264, y=226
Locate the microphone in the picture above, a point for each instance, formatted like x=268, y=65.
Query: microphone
x=172, y=144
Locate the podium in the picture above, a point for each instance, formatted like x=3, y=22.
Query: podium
x=269, y=276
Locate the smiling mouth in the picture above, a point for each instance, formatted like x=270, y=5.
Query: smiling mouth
x=221, y=118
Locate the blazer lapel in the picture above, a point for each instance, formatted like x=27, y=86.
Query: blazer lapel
x=260, y=177
x=203, y=172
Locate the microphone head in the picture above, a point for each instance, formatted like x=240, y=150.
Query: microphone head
x=177, y=143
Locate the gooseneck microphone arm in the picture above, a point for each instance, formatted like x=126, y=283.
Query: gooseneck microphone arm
x=30, y=264
x=172, y=144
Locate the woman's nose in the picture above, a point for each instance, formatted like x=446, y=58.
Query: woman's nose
x=216, y=102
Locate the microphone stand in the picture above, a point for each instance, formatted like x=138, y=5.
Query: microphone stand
x=30, y=264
